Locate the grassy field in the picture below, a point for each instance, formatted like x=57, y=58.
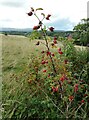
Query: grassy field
x=17, y=52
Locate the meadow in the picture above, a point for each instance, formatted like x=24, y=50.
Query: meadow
x=27, y=84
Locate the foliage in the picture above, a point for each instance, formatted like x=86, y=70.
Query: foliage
x=81, y=34
x=35, y=35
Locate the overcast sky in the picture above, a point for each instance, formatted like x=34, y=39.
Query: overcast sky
x=65, y=13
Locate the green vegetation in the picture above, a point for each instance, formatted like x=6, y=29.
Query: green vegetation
x=25, y=97
x=81, y=34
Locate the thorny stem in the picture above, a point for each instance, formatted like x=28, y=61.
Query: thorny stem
x=47, y=45
x=49, y=51
x=37, y=17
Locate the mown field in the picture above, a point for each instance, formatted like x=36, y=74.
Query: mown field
x=20, y=99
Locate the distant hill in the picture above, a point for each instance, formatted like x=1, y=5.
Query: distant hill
x=22, y=30
x=15, y=29
x=26, y=31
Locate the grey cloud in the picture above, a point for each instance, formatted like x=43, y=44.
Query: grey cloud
x=5, y=20
x=13, y=3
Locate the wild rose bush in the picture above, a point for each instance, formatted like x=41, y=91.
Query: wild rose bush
x=51, y=73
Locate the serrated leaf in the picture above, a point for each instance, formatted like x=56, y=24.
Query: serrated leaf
x=39, y=9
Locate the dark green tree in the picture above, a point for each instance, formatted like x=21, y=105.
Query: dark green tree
x=81, y=32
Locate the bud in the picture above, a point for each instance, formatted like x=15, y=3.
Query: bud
x=30, y=14
x=36, y=27
x=48, y=53
x=53, y=54
x=71, y=98
x=43, y=62
x=55, y=38
x=54, y=89
x=65, y=61
x=76, y=88
x=48, y=15
x=42, y=52
x=59, y=49
x=60, y=52
x=47, y=18
x=51, y=29
x=62, y=78
x=32, y=9
x=82, y=101
x=55, y=42
x=38, y=43
x=44, y=70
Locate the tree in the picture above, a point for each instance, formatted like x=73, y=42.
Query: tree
x=81, y=32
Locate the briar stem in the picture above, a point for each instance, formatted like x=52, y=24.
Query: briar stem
x=47, y=44
x=49, y=51
x=36, y=16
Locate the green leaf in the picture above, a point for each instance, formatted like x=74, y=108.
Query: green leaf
x=43, y=14
x=39, y=9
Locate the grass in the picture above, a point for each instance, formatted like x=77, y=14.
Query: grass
x=17, y=94
x=16, y=54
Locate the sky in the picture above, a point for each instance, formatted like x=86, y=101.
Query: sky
x=65, y=13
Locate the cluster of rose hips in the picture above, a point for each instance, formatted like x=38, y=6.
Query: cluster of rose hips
x=71, y=98
x=44, y=62
x=55, y=40
x=63, y=78
x=59, y=51
x=40, y=21
x=48, y=53
x=55, y=89
x=52, y=54
x=76, y=88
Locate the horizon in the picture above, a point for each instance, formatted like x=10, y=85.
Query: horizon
x=7, y=29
